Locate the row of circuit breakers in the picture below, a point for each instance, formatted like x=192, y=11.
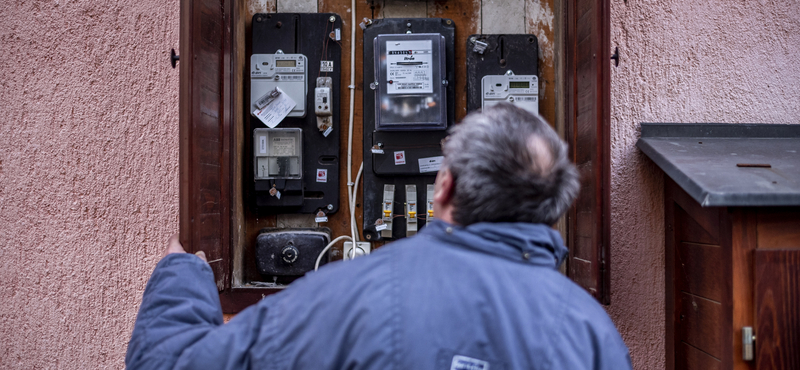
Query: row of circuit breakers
x=408, y=105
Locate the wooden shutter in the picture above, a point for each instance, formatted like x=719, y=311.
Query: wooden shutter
x=205, y=106
x=587, y=131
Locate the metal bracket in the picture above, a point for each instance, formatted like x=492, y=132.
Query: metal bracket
x=748, y=340
x=411, y=210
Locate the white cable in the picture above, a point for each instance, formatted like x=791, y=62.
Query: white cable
x=353, y=223
x=319, y=258
x=350, y=195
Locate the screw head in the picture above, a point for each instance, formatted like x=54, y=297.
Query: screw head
x=330, y=207
x=472, y=39
x=332, y=19
x=408, y=24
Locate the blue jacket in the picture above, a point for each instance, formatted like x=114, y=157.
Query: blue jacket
x=485, y=296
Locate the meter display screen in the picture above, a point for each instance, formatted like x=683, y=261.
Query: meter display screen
x=286, y=63
x=519, y=84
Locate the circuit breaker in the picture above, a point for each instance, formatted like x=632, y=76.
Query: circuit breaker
x=294, y=128
x=408, y=106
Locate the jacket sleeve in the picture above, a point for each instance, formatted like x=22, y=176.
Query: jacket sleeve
x=180, y=308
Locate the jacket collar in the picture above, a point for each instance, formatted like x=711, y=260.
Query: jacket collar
x=536, y=244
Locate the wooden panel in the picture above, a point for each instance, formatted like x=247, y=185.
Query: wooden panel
x=778, y=309
x=700, y=270
x=691, y=358
x=466, y=15
x=689, y=230
x=779, y=228
x=296, y=6
x=543, y=18
x=204, y=131
x=587, y=131
x=502, y=16
x=701, y=323
x=403, y=9
x=743, y=245
x=671, y=315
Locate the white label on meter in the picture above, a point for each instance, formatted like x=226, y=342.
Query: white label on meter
x=262, y=145
x=408, y=67
x=282, y=146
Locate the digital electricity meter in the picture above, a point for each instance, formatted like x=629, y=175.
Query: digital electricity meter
x=278, y=153
x=287, y=71
x=410, y=84
x=519, y=90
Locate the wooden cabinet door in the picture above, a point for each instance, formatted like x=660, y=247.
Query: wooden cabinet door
x=205, y=106
x=587, y=132
x=777, y=290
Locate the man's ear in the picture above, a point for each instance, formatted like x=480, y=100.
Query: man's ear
x=443, y=191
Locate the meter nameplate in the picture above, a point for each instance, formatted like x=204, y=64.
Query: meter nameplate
x=410, y=87
x=408, y=66
x=287, y=71
x=519, y=90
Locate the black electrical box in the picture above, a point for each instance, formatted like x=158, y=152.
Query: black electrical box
x=293, y=162
x=408, y=107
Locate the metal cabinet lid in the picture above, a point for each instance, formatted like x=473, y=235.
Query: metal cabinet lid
x=721, y=165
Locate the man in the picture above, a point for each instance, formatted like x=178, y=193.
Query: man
x=477, y=288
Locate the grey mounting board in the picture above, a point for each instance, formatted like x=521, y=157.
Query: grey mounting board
x=299, y=33
x=518, y=53
x=416, y=144
x=722, y=165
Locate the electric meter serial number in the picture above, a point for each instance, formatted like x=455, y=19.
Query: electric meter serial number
x=408, y=67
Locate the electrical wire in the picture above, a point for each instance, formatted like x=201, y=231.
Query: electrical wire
x=334, y=241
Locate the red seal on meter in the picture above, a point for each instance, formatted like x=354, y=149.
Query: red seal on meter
x=322, y=175
x=399, y=158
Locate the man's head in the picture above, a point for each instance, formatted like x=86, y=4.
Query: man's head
x=504, y=165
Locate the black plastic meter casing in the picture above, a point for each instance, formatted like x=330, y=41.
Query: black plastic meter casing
x=416, y=141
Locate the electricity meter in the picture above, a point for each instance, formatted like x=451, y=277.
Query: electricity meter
x=519, y=90
x=278, y=153
x=287, y=71
x=410, y=82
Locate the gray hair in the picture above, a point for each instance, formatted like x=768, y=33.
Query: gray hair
x=508, y=165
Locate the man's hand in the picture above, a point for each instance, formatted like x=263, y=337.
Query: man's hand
x=174, y=246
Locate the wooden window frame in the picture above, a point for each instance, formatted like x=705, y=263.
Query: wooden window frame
x=210, y=180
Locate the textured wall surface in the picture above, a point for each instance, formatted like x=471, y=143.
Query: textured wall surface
x=88, y=174
x=683, y=61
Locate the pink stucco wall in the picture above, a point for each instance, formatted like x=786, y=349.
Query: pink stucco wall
x=683, y=61
x=89, y=177
x=88, y=174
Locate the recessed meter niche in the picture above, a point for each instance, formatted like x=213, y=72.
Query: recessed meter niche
x=410, y=88
x=287, y=71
